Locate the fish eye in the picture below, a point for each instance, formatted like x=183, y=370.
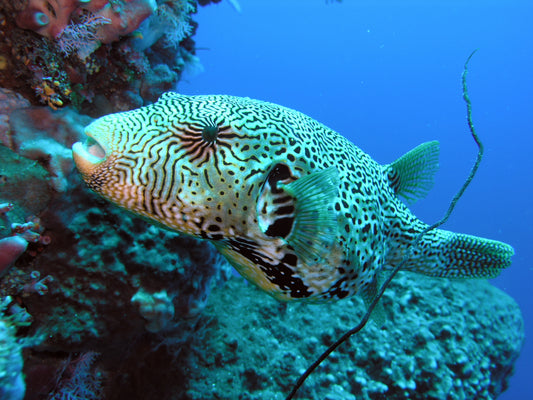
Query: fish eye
x=210, y=133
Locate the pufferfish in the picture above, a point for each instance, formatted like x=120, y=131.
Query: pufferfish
x=295, y=207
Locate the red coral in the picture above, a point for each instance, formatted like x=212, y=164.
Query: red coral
x=11, y=248
x=49, y=18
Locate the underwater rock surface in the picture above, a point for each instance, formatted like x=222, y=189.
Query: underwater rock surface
x=441, y=340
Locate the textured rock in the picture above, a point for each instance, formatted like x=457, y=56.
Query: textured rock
x=24, y=183
x=46, y=136
x=9, y=101
x=442, y=340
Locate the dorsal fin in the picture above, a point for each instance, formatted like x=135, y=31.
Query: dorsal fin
x=411, y=175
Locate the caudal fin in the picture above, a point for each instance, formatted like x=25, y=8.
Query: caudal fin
x=447, y=254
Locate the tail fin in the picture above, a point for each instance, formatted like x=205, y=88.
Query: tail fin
x=447, y=254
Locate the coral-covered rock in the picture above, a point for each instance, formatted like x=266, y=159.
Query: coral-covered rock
x=79, y=52
x=50, y=18
x=99, y=257
x=45, y=135
x=9, y=102
x=24, y=183
x=441, y=340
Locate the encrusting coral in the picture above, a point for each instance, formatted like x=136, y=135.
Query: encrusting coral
x=12, y=247
x=50, y=18
x=45, y=135
x=455, y=340
x=87, y=53
x=156, y=308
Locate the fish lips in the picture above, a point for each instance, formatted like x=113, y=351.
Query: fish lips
x=88, y=155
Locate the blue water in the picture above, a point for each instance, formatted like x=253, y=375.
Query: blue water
x=386, y=74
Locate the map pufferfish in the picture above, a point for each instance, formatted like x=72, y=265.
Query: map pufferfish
x=296, y=208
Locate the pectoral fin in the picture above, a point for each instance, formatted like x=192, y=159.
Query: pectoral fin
x=315, y=220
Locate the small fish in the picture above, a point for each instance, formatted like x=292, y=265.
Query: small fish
x=295, y=207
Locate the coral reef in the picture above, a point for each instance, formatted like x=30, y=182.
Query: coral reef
x=86, y=52
x=110, y=281
x=50, y=19
x=441, y=340
x=45, y=135
x=99, y=258
x=156, y=308
x=99, y=253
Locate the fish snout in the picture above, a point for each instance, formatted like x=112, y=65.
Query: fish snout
x=88, y=155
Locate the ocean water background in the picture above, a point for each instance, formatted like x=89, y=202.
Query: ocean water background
x=387, y=75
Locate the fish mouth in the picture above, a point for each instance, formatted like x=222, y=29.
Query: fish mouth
x=88, y=155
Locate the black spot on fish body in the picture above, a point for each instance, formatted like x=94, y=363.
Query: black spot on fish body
x=284, y=210
x=280, y=172
x=290, y=259
x=279, y=274
x=336, y=291
x=280, y=228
